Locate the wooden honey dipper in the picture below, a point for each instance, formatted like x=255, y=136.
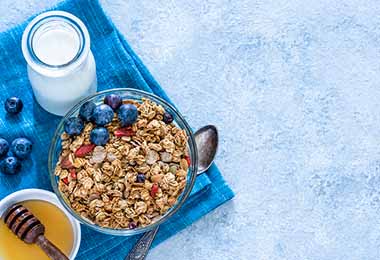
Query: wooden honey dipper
x=29, y=229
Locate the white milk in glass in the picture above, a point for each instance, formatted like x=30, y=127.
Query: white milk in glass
x=61, y=67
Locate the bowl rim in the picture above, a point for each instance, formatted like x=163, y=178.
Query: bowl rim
x=50, y=197
x=189, y=184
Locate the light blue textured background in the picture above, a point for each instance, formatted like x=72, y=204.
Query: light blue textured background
x=294, y=88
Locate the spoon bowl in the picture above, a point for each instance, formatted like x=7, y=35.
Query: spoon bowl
x=206, y=140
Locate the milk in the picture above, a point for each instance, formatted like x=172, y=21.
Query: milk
x=56, y=46
x=61, y=67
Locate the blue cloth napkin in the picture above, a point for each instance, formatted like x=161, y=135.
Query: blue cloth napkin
x=117, y=66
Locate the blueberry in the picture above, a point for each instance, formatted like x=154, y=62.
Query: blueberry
x=21, y=147
x=127, y=114
x=140, y=178
x=4, y=147
x=168, y=118
x=99, y=136
x=13, y=105
x=86, y=110
x=74, y=126
x=103, y=114
x=10, y=165
x=114, y=101
x=132, y=225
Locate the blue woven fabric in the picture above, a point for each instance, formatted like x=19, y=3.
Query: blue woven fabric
x=117, y=66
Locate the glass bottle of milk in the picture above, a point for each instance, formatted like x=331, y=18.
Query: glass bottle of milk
x=61, y=67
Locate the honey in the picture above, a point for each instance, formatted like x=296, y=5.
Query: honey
x=57, y=229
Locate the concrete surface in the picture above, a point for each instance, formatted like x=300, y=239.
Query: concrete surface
x=294, y=87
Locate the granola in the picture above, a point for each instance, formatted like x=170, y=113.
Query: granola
x=131, y=181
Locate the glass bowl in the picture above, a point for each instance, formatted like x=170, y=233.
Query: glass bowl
x=137, y=95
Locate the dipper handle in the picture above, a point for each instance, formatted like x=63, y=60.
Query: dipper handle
x=50, y=249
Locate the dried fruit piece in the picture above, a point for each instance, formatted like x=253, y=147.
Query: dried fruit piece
x=67, y=163
x=154, y=190
x=126, y=131
x=84, y=150
x=65, y=180
x=187, y=158
x=73, y=173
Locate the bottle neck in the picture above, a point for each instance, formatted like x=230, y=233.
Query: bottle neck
x=55, y=44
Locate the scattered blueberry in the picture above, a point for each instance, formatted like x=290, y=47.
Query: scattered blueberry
x=99, y=136
x=103, y=114
x=10, y=165
x=21, y=147
x=86, y=110
x=140, y=178
x=13, y=105
x=127, y=114
x=4, y=147
x=168, y=118
x=114, y=101
x=132, y=225
x=74, y=126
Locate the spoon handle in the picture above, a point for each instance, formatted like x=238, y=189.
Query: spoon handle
x=141, y=248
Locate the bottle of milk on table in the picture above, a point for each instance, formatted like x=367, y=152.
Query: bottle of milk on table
x=61, y=67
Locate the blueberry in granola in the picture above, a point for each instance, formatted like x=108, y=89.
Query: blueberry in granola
x=168, y=118
x=140, y=178
x=127, y=114
x=103, y=114
x=74, y=126
x=132, y=225
x=86, y=110
x=114, y=101
x=99, y=136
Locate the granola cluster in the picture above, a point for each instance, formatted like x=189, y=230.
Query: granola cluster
x=132, y=180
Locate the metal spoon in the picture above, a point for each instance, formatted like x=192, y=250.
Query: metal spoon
x=206, y=140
